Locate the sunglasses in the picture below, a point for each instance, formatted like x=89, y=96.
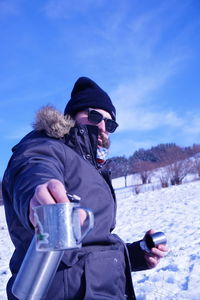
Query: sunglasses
x=96, y=117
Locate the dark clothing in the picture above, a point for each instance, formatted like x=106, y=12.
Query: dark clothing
x=101, y=268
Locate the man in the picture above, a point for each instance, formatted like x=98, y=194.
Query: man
x=66, y=154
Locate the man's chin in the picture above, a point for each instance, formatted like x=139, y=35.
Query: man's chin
x=105, y=143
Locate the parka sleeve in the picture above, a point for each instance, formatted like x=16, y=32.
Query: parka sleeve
x=33, y=164
x=136, y=256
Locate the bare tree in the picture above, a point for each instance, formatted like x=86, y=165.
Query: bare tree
x=144, y=169
x=119, y=166
x=196, y=165
x=177, y=171
x=164, y=178
x=126, y=171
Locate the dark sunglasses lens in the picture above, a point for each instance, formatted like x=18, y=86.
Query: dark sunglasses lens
x=94, y=116
x=111, y=125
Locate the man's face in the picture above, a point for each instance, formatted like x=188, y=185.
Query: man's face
x=103, y=137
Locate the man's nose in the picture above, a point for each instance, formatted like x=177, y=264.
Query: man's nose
x=102, y=126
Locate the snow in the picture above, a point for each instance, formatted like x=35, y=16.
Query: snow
x=6, y=249
x=175, y=211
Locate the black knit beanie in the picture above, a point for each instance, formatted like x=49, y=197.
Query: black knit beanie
x=86, y=93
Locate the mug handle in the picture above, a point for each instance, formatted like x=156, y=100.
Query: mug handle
x=90, y=225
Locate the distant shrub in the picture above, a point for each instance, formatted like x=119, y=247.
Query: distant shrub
x=178, y=171
x=136, y=189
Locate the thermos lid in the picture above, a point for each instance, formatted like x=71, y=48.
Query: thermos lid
x=157, y=238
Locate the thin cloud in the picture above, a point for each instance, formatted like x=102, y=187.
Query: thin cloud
x=171, y=119
x=139, y=89
x=135, y=98
x=141, y=120
x=193, y=125
x=183, y=130
x=129, y=42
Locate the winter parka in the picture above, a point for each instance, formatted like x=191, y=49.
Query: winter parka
x=56, y=149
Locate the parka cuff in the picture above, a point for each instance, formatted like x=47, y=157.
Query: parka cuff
x=22, y=210
x=136, y=256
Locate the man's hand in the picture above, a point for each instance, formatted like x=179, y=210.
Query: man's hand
x=153, y=257
x=51, y=192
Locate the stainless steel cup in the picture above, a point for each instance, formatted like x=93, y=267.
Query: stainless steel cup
x=58, y=226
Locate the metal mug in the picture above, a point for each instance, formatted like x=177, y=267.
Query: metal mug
x=58, y=226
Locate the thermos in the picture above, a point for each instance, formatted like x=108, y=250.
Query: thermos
x=36, y=273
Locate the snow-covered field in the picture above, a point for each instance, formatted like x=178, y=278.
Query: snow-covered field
x=176, y=211
x=6, y=249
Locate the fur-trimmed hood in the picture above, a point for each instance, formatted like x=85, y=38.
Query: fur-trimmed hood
x=53, y=122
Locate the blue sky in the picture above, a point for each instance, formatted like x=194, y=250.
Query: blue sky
x=144, y=53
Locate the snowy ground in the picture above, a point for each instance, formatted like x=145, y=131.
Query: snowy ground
x=174, y=210
x=6, y=249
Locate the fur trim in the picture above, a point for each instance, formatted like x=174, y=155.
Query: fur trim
x=53, y=122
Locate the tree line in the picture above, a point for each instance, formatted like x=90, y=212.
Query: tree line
x=174, y=158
